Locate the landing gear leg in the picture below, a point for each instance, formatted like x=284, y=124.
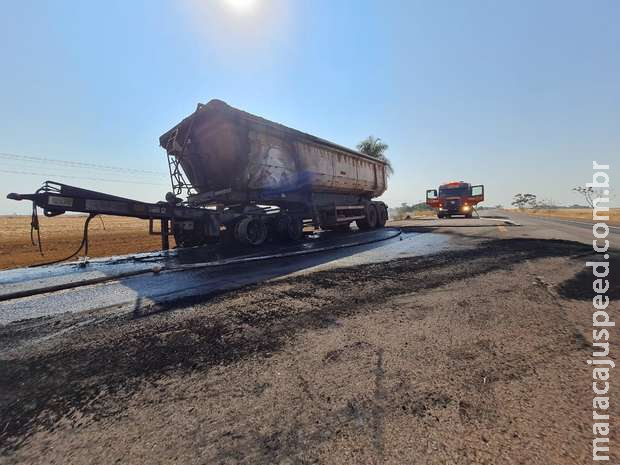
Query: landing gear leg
x=165, y=243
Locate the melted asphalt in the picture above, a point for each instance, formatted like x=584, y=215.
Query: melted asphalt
x=131, y=293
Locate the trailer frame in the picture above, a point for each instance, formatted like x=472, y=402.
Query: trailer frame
x=249, y=224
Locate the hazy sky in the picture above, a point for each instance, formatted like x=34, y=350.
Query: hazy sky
x=518, y=95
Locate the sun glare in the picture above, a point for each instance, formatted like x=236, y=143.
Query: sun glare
x=241, y=5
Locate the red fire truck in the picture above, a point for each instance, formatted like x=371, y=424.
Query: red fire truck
x=455, y=198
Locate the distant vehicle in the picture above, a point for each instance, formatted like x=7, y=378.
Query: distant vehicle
x=455, y=198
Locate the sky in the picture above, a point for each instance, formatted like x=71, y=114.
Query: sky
x=520, y=96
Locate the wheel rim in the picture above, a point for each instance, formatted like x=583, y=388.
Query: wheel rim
x=255, y=232
x=251, y=231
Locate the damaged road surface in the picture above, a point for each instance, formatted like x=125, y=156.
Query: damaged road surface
x=476, y=355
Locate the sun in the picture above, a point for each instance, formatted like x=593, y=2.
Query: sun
x=241, y=5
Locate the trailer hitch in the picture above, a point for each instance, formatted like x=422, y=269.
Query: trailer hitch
x=55, y=199
x=15, y=196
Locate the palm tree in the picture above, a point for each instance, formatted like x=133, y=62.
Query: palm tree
x=376, y=148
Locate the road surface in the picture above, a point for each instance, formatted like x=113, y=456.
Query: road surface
x=460, y=341
x=132, y=293
x=557, y=228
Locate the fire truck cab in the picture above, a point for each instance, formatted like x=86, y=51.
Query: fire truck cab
x=455, y=198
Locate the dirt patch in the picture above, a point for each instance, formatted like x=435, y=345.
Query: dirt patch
x=61, y=236
x=465, y=357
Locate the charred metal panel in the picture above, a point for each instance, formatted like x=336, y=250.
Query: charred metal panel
x=271, y=163
x=316, y=167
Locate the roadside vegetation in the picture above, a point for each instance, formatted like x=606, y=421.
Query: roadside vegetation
x=529, y=204
x=406, y=211
x=580, y=214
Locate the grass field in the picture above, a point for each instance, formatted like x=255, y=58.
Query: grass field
x=415, y=214
x=61, y=236
x=582, y=214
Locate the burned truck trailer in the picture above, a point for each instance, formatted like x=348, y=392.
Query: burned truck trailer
x=236, y=174
x=235, y=161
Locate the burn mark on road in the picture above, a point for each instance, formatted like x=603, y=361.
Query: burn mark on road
x=579, y=287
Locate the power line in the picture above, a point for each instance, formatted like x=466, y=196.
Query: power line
x=78, y=164
x=124, y=181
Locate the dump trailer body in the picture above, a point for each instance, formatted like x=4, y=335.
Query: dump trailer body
x=231, y=156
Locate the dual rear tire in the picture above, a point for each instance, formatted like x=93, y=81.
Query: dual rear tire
x=250, y=231
x=375, y=217
x=289, y=228
x=255, y=230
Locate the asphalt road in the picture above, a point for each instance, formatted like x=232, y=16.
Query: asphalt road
x=471, y=352
x=557, y=228
x=528, y=226
x=134, y=293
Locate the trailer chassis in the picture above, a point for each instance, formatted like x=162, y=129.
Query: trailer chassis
x=193, y=225
x=55, y=198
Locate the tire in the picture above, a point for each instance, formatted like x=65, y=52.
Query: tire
x=381, y=215
x=441, y=216
x=469, y=215
x=370, y=220
x=251, y=231
x=289, y=228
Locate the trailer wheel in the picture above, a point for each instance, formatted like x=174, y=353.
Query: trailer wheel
x=381, y=215
x=251, y=231
x=289, y=228
x=370, y=221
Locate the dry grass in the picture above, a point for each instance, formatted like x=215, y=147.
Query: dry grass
x=416, y=214
x=583, y=214
x=62, y=235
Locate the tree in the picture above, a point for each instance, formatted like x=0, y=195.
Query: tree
x=376, y=148
x=546, y=204
x=405, y=209
x=590, y=194
x=524, y=201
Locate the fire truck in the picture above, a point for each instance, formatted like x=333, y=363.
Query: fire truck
x=455, y=198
